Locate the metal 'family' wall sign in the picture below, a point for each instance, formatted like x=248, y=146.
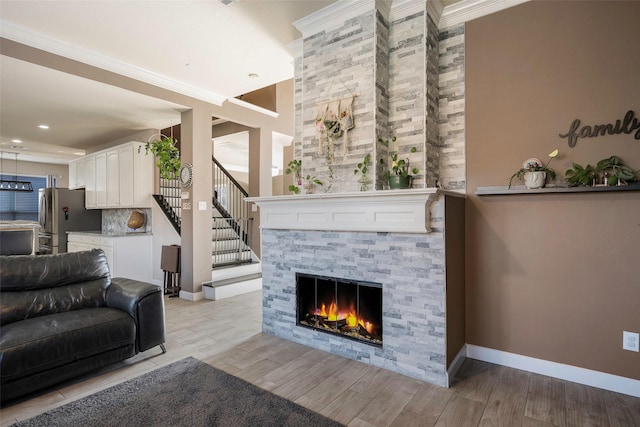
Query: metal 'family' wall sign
x=627, y=125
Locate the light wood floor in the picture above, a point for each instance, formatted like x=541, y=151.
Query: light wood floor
x=226, y=334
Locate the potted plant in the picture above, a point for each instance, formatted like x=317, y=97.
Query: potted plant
x=167, y=155
x=610, y=171
x=295, y=167
x=614, y=172
x=362, y=169
x=580, y=175
x=398, y=177
x=534, y=173
x=310, y=184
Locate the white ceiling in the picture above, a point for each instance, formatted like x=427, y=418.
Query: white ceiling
x=201, y=45
x=204, y=47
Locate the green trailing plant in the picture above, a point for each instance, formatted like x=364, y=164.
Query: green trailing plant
x=362, y=169
x=535, y=167
x=295, y=167
x=329, y=157
x=397, y=166
x=294, y=189
x=167, y=156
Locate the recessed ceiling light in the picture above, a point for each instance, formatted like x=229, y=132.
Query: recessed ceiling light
x=78, y=153
x=253, y=76
x=16, y=141
x=43, y=126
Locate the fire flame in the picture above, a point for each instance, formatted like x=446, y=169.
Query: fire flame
x=334, y=314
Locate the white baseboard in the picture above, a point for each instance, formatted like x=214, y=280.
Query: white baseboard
x=456, y=363
x=557, y=370
x=191, y=296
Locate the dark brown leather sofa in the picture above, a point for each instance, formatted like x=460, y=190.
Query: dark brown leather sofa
x=63, y=316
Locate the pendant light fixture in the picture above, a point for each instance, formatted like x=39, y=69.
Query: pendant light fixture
x=13, y=184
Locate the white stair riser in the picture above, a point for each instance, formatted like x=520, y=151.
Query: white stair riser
x=231, y=290
x=222, y=259
x=236, y=271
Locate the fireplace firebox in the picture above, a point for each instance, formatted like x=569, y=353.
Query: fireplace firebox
x=349, y=308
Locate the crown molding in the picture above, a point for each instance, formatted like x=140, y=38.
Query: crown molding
x=403, y=8
x=384, y=7
x=327, y=17
x=458, y=13
x=467, y=10
x=27, y=37
x=253, y=107
x=296, y=47
x=435, y=9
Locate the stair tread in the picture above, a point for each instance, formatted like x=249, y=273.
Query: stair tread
x=232, y=280
x=228, y=251
x=231, y=264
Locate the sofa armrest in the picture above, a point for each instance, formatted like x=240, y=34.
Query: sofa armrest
x=144, y=302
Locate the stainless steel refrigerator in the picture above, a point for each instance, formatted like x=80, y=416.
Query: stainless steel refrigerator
x=61, y=210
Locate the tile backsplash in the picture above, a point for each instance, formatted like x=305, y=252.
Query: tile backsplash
x=114, y=221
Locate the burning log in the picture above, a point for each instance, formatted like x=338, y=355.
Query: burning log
x=340, y=326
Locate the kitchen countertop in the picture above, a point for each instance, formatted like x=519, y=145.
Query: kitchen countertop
x=19, y=224
x=100, y=233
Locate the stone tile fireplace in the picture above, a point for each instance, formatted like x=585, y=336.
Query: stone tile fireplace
x=387, y=58
x=395, y=240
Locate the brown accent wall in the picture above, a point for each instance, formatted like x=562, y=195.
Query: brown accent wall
x=454, y=243
x=557, y=276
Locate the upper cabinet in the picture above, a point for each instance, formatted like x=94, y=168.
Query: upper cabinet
x=77, y=173
x=101, y=180
x=90, y=199
x=118, y=177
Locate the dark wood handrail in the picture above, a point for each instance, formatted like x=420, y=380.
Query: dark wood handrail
x=228, y=175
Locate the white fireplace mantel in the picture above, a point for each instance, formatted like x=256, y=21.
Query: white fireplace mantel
x=400, y=211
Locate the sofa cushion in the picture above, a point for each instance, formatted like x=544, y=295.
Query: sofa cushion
x=47, y=342
x=26, y=272
x=16, y=306
x=34, y=286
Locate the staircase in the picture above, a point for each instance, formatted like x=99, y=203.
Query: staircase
x=235, y=268
x=169, y=201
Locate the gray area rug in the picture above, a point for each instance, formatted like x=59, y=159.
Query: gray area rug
x=185, y=393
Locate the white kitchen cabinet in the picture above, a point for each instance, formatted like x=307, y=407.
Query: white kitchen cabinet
x=76, y=173
x=136, y=176
x=101, y=180
x=90, y=182
x=113, y=179
x=121, y=177
x=127, y=171
x=80, y=173
x=73, y=174
x=127, y=255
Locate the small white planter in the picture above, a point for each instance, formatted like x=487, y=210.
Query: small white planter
x=536, y=179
